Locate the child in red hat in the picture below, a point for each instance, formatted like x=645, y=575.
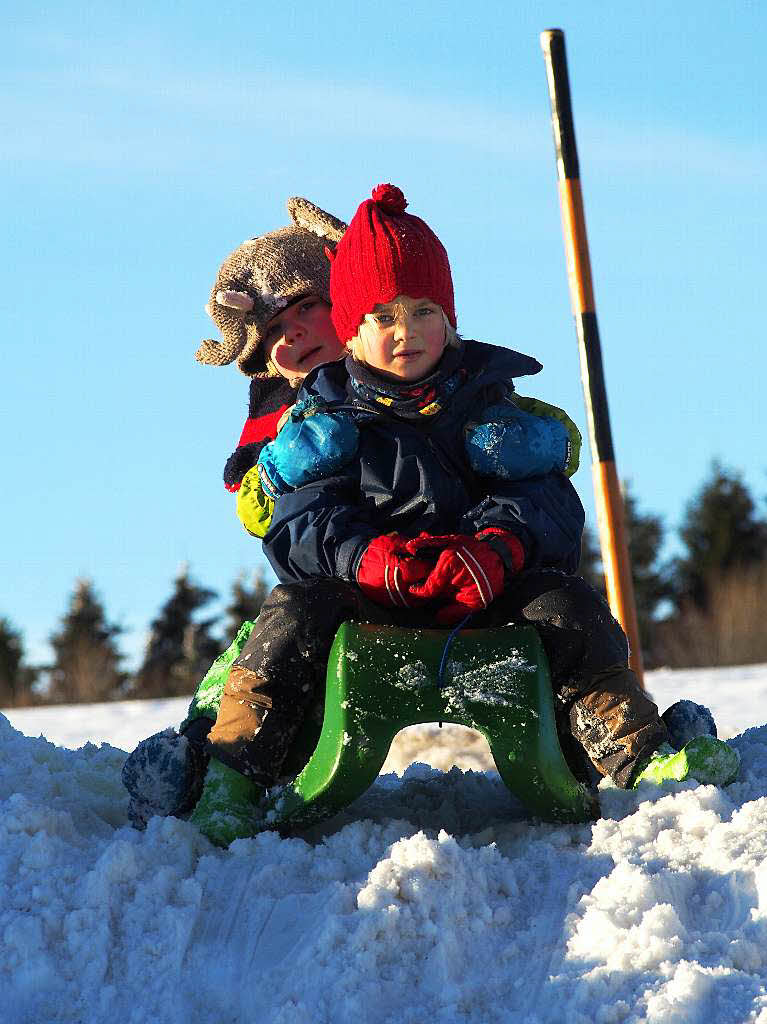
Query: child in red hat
x=407, y=492
x=270, y=301
x=414, y=488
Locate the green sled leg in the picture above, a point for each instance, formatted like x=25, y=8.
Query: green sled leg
x=381, y=679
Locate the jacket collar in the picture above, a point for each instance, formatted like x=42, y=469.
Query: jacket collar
x=330, y=380
x=408, y=399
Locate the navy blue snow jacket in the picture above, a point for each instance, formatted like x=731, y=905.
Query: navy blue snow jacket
x=412, y=475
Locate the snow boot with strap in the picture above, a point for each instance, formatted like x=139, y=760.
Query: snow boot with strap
x=705, y=758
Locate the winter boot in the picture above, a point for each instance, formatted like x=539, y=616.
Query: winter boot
x=165, y=772
x=705, y=758
x=228, y=807
x=685, y=720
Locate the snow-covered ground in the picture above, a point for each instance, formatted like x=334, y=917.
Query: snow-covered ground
x=430, y=901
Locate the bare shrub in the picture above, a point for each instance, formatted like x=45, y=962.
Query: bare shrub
x=730, y=631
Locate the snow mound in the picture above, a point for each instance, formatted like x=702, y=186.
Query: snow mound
x=431, y=899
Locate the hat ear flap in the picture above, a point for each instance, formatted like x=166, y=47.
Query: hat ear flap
x=217, y=353
x=226, y=309
x=306, y=215
x=330, y=253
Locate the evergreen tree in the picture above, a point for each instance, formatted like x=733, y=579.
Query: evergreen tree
x=721, y=533
x=245, y=602
x=16, y=678
x=179, y=650
x=86, y=666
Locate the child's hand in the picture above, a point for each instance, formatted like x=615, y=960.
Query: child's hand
x=469, y=572
x=389, y=572
x=310, y=446
x=515, y=444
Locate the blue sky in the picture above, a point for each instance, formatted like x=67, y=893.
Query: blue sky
x=141, y=144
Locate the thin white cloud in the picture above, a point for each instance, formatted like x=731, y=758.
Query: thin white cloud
x=132, y=118
x=96, y=114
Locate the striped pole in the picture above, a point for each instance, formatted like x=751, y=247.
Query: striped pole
x=609, y=500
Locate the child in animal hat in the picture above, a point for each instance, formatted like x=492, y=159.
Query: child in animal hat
x=271, y=302
x=398, y=501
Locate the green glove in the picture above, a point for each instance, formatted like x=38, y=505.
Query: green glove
x=228, y=808
x=254, y=507
x=705, y=758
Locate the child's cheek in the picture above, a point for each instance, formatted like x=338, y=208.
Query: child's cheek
x=281, y=357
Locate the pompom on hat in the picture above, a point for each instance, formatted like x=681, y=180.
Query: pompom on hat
x=386, y=252
x=263, y=276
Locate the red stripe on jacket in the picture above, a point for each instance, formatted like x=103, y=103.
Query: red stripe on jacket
x=258, y=428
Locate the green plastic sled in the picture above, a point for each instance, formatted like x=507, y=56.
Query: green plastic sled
x=381, y=679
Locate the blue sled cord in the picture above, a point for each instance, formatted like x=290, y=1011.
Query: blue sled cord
x=446, y=650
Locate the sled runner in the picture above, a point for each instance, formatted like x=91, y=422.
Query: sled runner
x=381, y=679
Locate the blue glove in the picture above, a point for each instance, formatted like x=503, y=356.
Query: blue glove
x=164, y=775
x=312, y=445
x=513, y=444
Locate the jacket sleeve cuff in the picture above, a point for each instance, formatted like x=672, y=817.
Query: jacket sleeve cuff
x=506, y=545
x=349, y=556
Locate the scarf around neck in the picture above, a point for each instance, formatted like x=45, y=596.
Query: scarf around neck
x=409, y=399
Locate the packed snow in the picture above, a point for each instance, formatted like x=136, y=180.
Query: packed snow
x=432, y=899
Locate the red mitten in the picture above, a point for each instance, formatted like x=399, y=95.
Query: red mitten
x=507, y=545
x=388, y=571
x=470, y=571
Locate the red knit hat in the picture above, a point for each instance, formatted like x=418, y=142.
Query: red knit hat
x=386, y=252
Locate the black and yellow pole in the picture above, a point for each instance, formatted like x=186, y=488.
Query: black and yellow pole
x=609, y=500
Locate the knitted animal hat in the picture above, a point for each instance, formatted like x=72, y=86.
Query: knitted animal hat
x=386, y=252
x=263, y=276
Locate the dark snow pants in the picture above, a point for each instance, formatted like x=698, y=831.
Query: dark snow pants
x=279, y=678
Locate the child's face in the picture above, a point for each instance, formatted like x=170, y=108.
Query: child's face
x=403, y=339
x=301, y=337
